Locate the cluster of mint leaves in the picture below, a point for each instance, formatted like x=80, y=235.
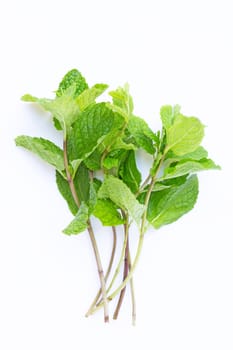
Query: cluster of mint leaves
x=97, y=170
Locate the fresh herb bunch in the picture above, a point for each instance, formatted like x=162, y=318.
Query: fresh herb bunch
x=105, y=138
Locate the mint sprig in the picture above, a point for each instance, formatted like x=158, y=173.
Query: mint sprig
x=104, y=139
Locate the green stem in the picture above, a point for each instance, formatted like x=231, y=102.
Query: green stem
x=116, y=273
x=107, y=273
x=143, y=185
x=132, y=294
x=118, y=268
x=100, y=271
x=105, y=153
x=126, y=269
x=141, y=236
x=68, y=175
x=90, y=231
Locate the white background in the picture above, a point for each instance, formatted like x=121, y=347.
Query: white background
x=169, y=52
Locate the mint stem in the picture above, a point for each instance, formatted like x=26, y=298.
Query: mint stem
x=91, y=234
x=116, y=273
x=117, y=270
x=68, y=175
x=141, y=236
x=100, y=271
x=107, y=273
x=125, y=272
x=132, y=294
x=143, y=185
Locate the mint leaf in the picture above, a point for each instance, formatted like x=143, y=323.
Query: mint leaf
x=82, y=187
x=168, y=113
x=93, y=162
x=198, y=154
x=92, y=197
x=88, y=96
x=72, y=78
x=75, y=164
x=110, y=162
x=57, y=124
x=185, y=135
x=29, y=98
x=176, y=181
x=120, y=194
x=120, y=144
x=169, y=205
x=45, y=149
x=114, y=158
x=106, y=211
x=123, y=100
x=97, y=124
x=103, y=209
x=64, y=108
x=80, y=222
x=162, y=185
x=188, y=167
x=82, y=184
x=142, y=134
x=129, y=172
x=64, y=189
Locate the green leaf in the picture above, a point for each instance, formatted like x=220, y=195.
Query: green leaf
x=80, y=222
x=97, y=184
x=122, y=100
x=110, y=162
x=72, y=78
x=45, y=104
x=168, y=113
x=129, y=172
x=92, y=197
x=159, y=186
x=64, y=189
x=120, y=144
x=82, y=187
x=64, y=108
x=114, y=158
x=97, y=124
x=120, y=194
x=176, y=181
x=75, y=164
x=103, y=209
x=118, y=110
x=169, y=205
x=89, y=96
x=185, y=135
x=29, y=98
x=198, y=154
x=162, y=185
x=45, y=149
x=93, y=162
x=188, y=167
x=82, y=183
x=57, y=124
x=106, y=211
x=142, y=133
